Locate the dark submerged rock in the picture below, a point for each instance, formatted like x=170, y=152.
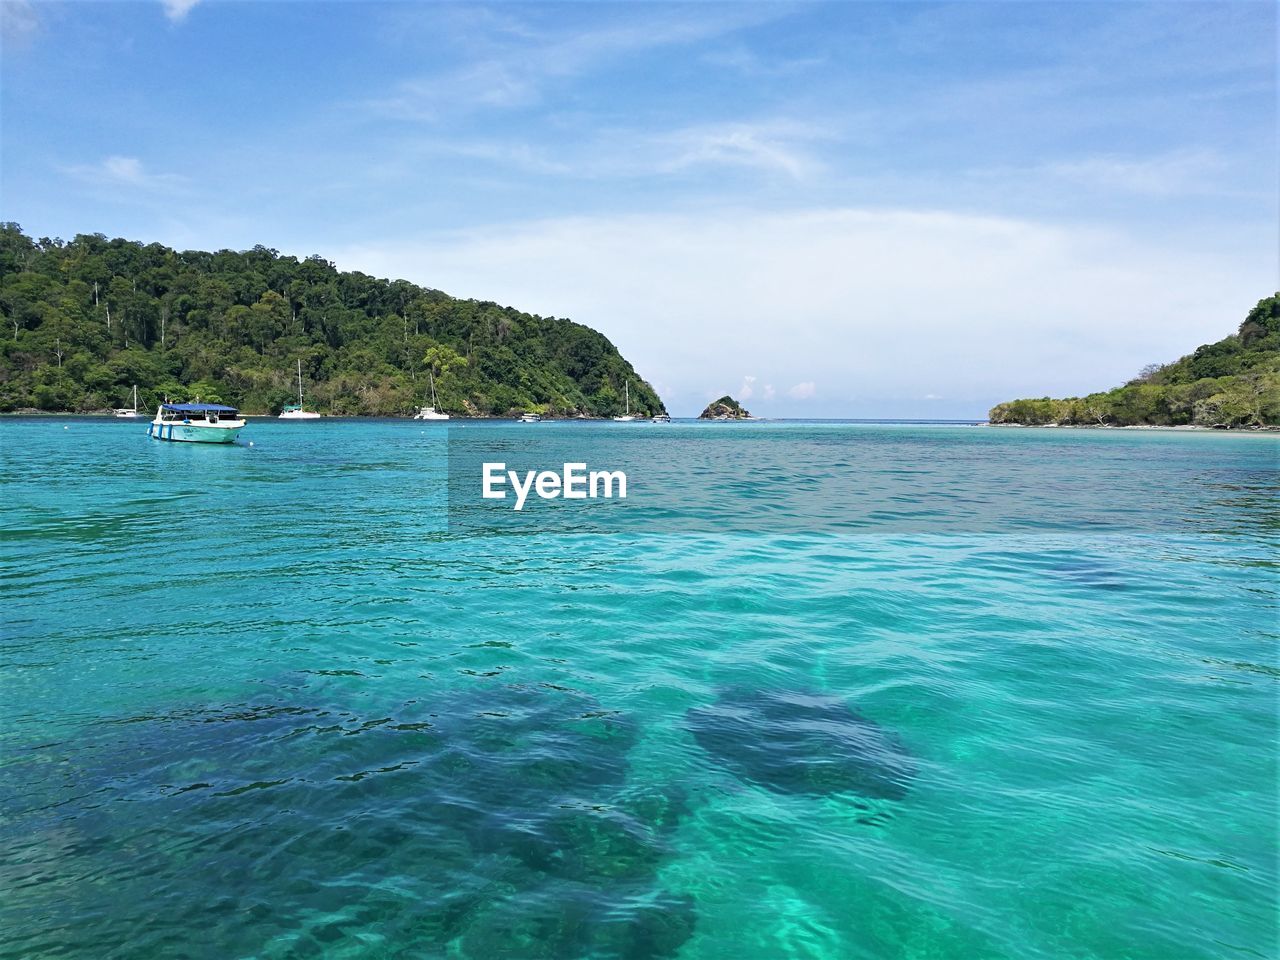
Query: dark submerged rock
x=504, y=807
x=595, y=846
x=580, y=923
x=1087, y=572
x=802, y=742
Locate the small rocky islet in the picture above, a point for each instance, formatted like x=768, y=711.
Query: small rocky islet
x=726, y=408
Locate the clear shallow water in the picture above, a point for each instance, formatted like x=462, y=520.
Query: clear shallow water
x=268, y=702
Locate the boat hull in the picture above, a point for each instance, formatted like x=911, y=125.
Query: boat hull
x=299, y=415
x=194, y=433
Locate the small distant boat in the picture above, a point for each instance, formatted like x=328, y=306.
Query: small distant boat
x=529, y=418
x=130, y=413
x=627, y=417
x=196, y=423
x=294, y=411
x=661, y=418
x=431, y=413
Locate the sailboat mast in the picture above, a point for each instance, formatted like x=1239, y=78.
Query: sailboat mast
x=432, y=377
x=299, y=381
x=626, y=389
x=135, y=398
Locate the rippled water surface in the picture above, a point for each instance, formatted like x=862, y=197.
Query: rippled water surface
x=854, y=701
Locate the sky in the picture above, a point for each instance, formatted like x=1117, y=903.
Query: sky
x=829, y=210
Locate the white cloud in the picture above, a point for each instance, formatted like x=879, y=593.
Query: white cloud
x=802, y=391
x=773, y=146
x=18, y=22
x=490, y=83
x=511, y=154
x=768, y=146
x=121, y=171
x=177, y=10
x=880, y=307
x=747, y=390
x=517, y=62
x=1171, y=173
x=752, y=64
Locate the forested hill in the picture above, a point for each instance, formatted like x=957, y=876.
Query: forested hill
x=1232, y=383
x=88, y=318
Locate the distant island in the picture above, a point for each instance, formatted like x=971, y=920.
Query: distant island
x=87, y=319
x=1232, y=383
x=726, y=408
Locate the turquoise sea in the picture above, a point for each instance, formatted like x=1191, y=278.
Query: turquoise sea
x=816, y=690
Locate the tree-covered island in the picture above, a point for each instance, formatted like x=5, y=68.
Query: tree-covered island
x=1232, y=383
x=726, y=408
x=86, y=319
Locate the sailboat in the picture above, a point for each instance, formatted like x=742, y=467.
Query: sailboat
x=294, y=411
x=431, y=413
x=132, y=412
x=627, y=417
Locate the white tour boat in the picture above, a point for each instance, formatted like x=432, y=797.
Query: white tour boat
x=626, y=417
x=431, y=413
x=294, y=411
x=124, y=412
x=529, y=418
x=196, y=423
x=661, y=418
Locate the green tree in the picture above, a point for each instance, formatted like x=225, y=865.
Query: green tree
x=1232, y=383
x=84, y=320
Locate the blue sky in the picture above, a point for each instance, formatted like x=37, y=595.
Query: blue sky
x=849, y=209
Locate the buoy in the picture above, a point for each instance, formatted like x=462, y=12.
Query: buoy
x=251, y=443
x=66, y=428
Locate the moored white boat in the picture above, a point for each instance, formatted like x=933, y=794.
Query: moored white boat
x=627, y=417
x=294, y=411
x=130, y=413
x=196, y=423
x=661, y=418
x=431, y=413
x=529, y=418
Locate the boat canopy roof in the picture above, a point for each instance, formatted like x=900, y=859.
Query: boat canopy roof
x=198, y=407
